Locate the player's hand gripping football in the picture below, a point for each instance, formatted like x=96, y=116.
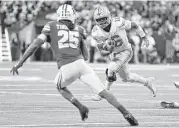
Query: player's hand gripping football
x=109, y=45
x=145, y=43
x=15, y=68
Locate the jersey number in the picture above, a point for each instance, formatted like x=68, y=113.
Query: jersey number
x=117, y=40
x=68, y=39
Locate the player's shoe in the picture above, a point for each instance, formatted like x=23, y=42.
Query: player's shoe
x=176, y=84
x=96, y=97
x=150, y=85
x=84, y=113
x=165, y=104
x=130, y=118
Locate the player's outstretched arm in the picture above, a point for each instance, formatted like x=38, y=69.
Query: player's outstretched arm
x=141, y=33
x=30, y=50
x=138, y=29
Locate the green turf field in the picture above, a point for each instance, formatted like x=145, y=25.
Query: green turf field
x=31, y=99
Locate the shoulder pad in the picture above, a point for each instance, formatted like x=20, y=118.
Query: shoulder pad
x=119, y=21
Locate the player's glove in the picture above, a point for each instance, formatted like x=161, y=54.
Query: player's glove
x=145, y=43
x=15, y=68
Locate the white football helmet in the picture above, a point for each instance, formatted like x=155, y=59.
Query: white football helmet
x=66, y=12
x=102, y=16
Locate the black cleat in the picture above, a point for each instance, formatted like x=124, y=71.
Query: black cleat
x=129, y=117
x=84, y=113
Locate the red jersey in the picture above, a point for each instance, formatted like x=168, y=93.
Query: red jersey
x=64, y=42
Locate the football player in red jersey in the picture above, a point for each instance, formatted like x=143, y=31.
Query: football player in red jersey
x=67, y=41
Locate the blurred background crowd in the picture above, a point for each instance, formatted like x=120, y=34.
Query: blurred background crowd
x=159, y=19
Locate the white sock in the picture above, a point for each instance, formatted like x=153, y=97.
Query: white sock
x=138, y=79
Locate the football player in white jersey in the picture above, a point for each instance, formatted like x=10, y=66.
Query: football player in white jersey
x=110, y=34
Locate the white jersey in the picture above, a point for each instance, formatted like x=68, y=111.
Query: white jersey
x=117, y=33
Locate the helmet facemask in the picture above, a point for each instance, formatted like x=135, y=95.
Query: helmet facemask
x=103, y=22
x=66, y=12
x=102, y=16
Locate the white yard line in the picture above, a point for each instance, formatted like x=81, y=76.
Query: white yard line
x=50, y=83
x=93, y=123
x=175, y=75
x=30, y=94
x=40, y=109
x=88, y=97
x=20, y=78
x=74, y=89
x=50, y=94
x=21, y=69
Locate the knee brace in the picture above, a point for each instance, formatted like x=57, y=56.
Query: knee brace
x=110, y=78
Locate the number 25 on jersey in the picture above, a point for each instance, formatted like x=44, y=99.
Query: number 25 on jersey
x=68, y=39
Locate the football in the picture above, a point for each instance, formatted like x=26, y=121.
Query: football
x=109, y=44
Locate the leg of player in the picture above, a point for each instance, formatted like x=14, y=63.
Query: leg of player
x=113, y=101
x=117, y=62
x=91, y=79
x=127, y=76
x=66, y=75
x=68, y=95
x=110, y=78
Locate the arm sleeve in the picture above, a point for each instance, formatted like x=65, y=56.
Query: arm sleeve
x=138, y=29
x=46, y=29
x=43, y=37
